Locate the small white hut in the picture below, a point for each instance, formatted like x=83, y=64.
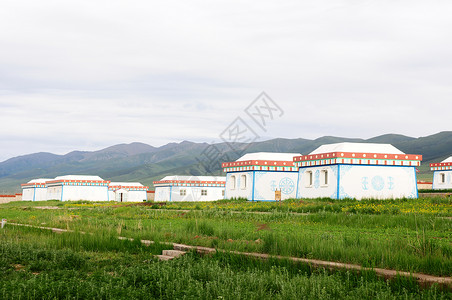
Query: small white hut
x=127, y=192
x=35, y=190
x=442, y=174
x=77, y=187
x=357, y=170
x=189, y=188
x=257, y=176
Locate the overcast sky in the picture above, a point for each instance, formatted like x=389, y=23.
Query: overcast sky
x=83, y=75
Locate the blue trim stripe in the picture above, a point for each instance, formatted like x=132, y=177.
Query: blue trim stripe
x=338, y=180
x=415, y=182
x=298, y=185
x=433, y=181
x=262, y=171
x=254, y=181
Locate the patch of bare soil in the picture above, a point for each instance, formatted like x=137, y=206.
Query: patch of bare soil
x=263, y=227
x=19, y=267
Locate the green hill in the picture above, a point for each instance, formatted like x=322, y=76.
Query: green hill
x=144, y=163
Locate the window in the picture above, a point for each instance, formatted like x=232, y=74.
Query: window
x=309, y=179
x=243, y=182
x=183, y=192
x=324, y=177
x=222, y=193
x=232, y=182
x=442, y=178
x=203, y=192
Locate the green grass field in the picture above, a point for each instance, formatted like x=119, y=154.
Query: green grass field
x=405, y=235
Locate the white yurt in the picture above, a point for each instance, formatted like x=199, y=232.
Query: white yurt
x=77, y=187
x=357, y=170
x=442, y=174
x=189, y=188
x=127, y=192
x=257, y=176
x=35, y=190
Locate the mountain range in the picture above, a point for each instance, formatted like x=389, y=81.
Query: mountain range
x=145, y=163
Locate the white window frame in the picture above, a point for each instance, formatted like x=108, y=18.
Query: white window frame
x=442, y=178
x=204, y=192
x=324, y=177
x=183, y=192
x=232, y=182
x=243, y=179
x=310, y=179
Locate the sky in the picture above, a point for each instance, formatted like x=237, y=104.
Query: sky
x=85, y=75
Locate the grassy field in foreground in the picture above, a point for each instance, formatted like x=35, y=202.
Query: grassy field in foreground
x=411, y=235
x=39, y=264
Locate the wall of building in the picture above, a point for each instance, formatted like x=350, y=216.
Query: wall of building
x=40, y=194
x=150, y=195
x=315, y=187
x=34, y=194
x=28, y=194
x=239, y=185
x=162, y=193
x=261, y=185
x=136, y=196
x=442, y=180
x=54, y=192
x=362, y=181
x=7, y=198
x=93, y=193
x=424, y=185
x=173, y=194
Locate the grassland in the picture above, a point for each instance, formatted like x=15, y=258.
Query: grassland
x=404, y=235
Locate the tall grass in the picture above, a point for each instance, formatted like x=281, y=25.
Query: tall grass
x=56, y=266
x=417, y=242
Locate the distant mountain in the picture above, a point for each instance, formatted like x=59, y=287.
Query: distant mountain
x=145, y=163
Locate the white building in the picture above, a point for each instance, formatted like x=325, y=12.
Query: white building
x=35, y=190
x=357, y=170
x=189, y=188
x=127, y=192
x=78, y=187
x=442, y=174
x=256, y=176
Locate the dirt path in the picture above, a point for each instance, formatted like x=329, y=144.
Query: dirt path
x=233, y=211
x=423, y=279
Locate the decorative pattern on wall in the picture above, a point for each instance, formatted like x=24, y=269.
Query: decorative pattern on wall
x=189, y=183
x=286, y=185
x=127, y=188
x=78, y=183
x=378, y=183
x=33, y=185
x=441, y=166
x=358, y=159
x=258, y=165
x=317, y=179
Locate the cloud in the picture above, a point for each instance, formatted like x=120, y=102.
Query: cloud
x=84, y=75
